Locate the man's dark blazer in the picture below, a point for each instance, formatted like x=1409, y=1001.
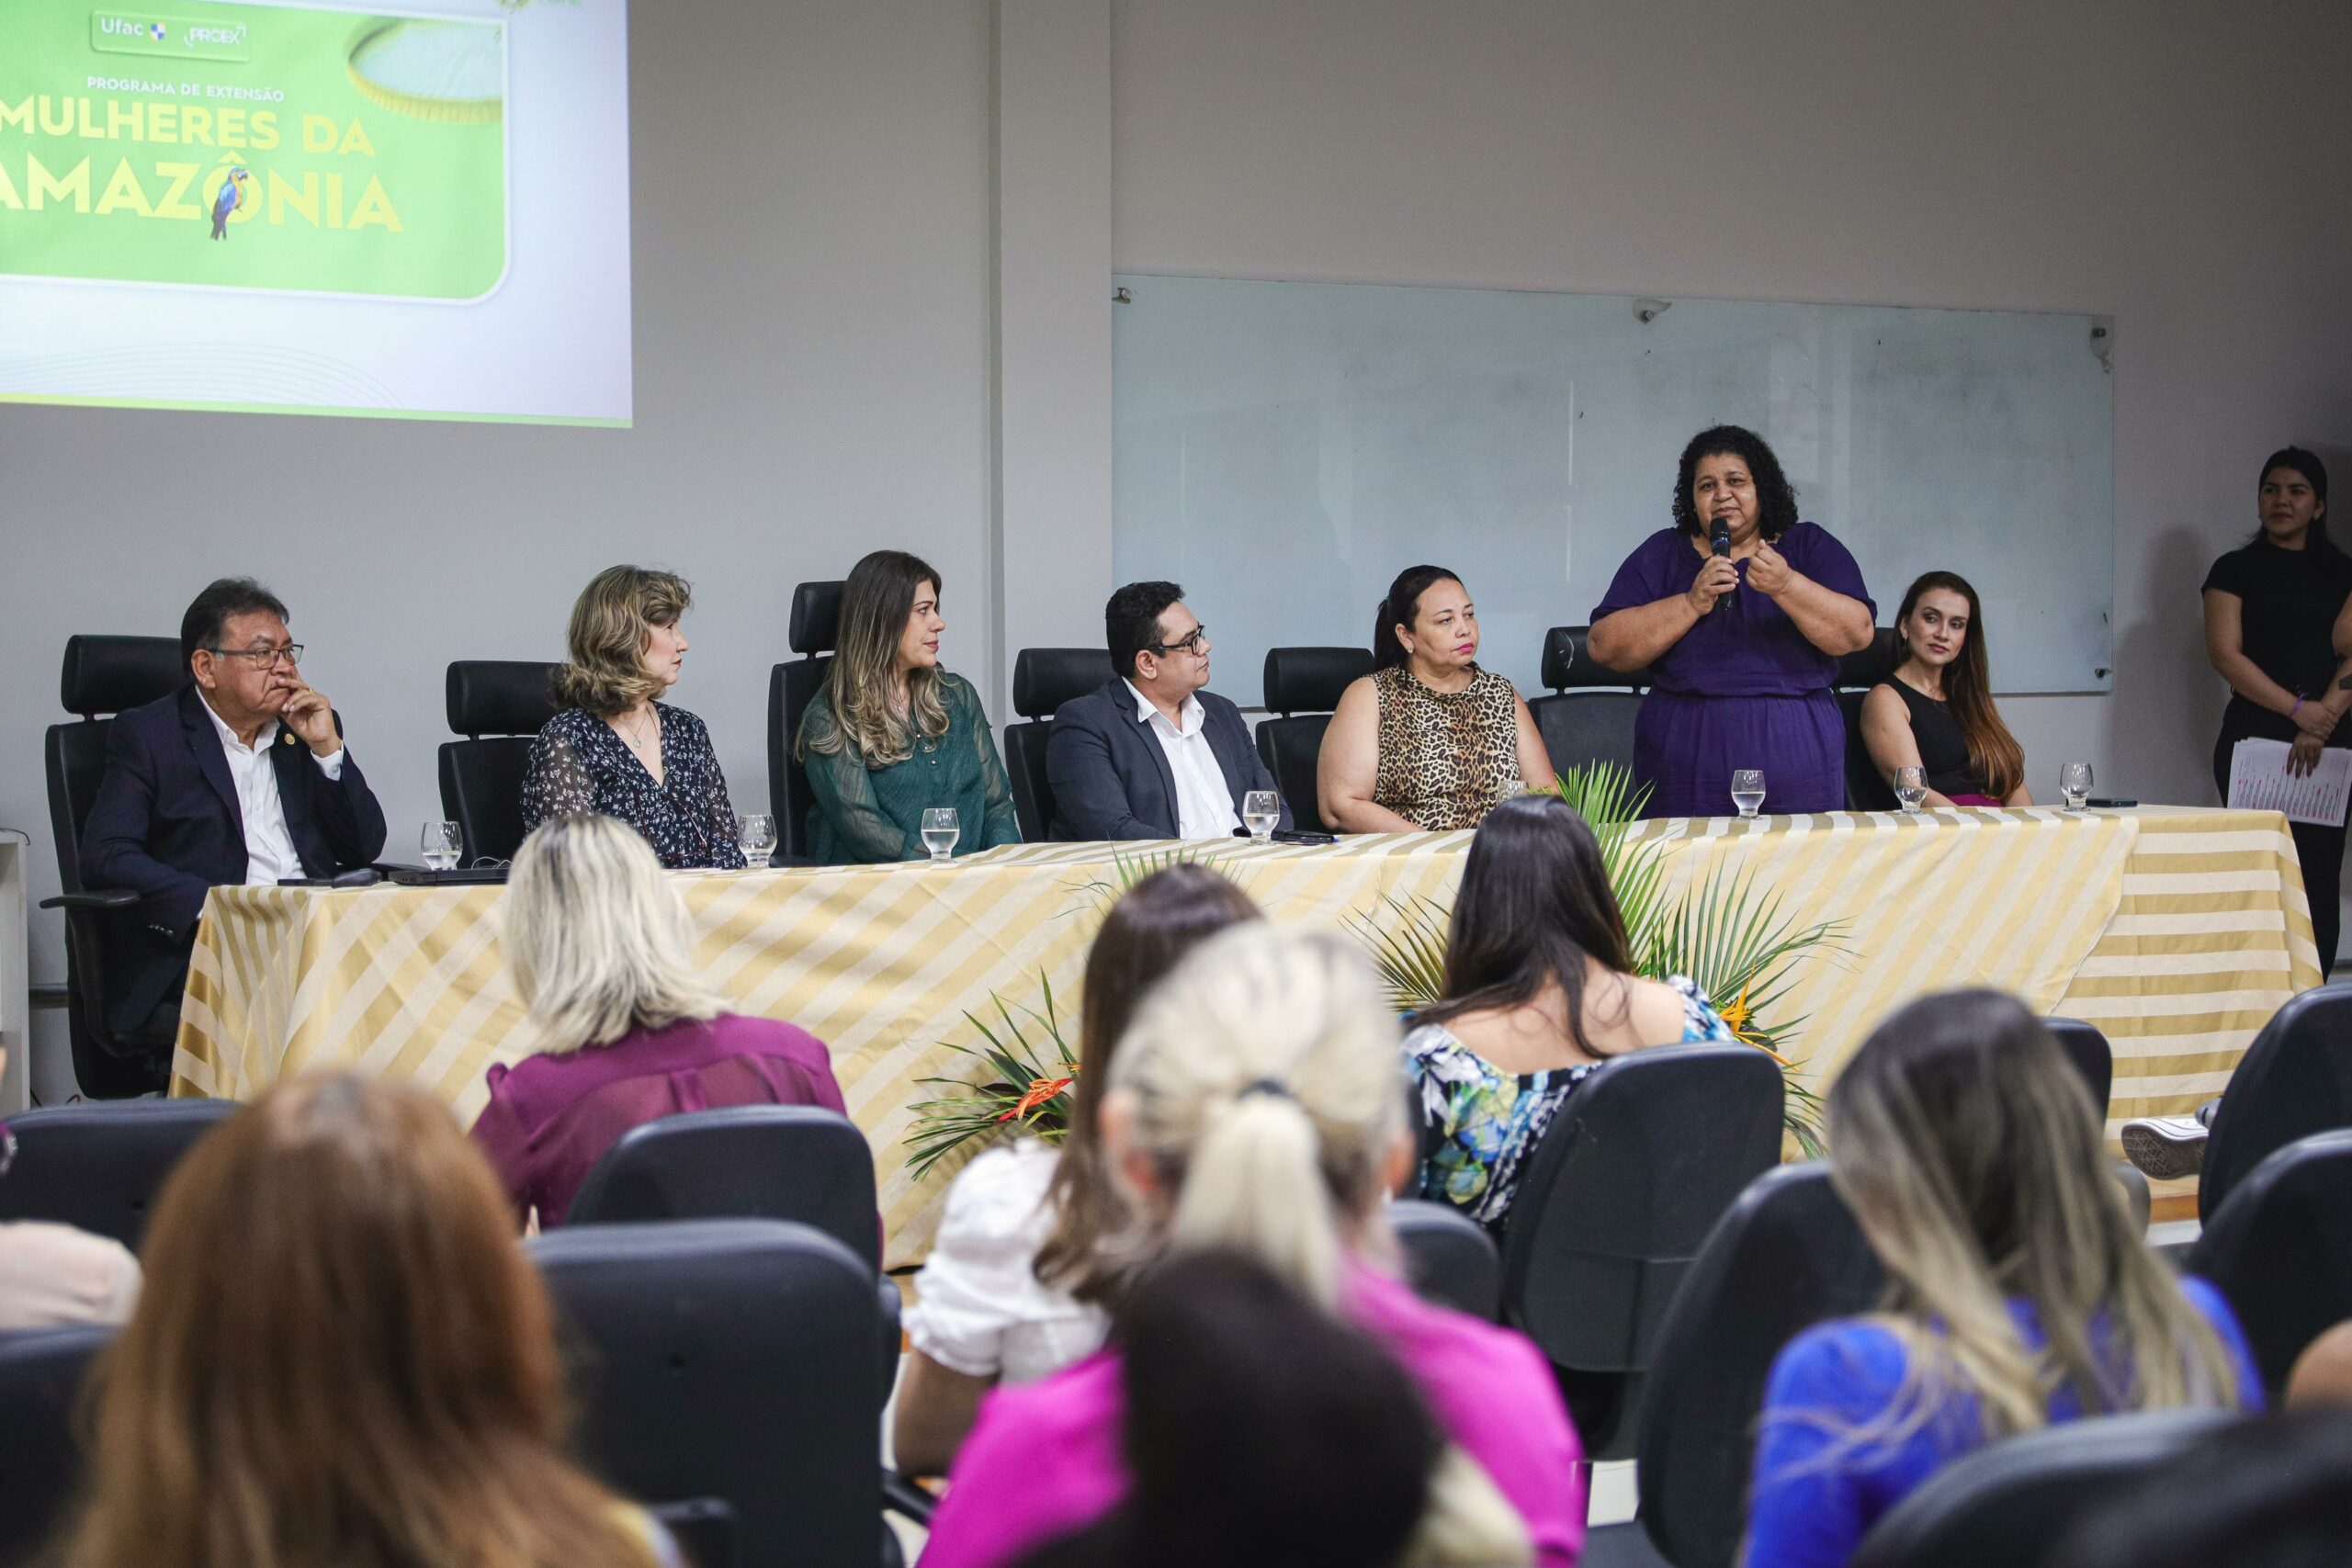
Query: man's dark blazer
x=1110, y=777
x=166, y=824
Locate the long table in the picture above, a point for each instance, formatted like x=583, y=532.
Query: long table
x=2177, y=930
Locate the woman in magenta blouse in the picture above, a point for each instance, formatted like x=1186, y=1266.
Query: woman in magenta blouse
x=598, y=944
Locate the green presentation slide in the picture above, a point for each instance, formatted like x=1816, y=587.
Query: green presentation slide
x=255, y=147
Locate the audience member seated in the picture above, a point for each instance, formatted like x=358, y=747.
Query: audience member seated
x=2323, y=1374
x=614, y=750
x=1014, y=1286
x=1539, y=992
x=599, y=947
x=1936, y=712
x=240, y=777
x=2022, y=1294
x=1428, y=741
x=53, y=1274
x=1153, y=754
x=1262, y=1432
x=342, y=1359
x=1253, y=1105
x=2275, y=1493
x=891, y=735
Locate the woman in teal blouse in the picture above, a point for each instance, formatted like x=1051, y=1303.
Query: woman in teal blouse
x=891, y=735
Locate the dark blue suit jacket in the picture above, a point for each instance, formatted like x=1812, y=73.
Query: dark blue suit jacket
x=1110, y=777
x=166, y=824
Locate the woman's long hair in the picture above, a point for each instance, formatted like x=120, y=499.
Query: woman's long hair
x=1399, y=608
x=341, y=1360
x=2314, y=473
x=1534, y=903
x=876, y=603
x=610, y=623
x=1776, y=500
x=595, y=939
x=1970, y=1152
x=1992, y=752
x=1155, y=923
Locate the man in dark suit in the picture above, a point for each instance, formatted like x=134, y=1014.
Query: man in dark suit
x=1151, y=754
x=239, y=777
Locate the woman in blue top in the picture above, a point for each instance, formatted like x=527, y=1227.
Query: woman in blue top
x=2020, y=1294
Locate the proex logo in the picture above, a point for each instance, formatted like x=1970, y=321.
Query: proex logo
x=184, y=37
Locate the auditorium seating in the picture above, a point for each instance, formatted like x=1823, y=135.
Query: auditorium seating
x=1588, y=717
x=1043, y=680
x=42, y=1374
x=2280, y=1249
x=102, y=675
x=1303, y=686
x=2294, y=1080
x=100, y=1167
x=1449, y=1257
x=1613, y=1206
x=815, y=623
x=1866, y=788
x=499, y=706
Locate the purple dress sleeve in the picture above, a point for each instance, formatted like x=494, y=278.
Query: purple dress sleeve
x=1816, y=551
x=1644, y=577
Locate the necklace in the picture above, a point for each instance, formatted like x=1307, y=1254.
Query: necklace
x=638, y=741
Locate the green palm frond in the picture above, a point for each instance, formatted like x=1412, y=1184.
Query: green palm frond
x=1126, y=870
x=1410, y=951
x=1006, y=1099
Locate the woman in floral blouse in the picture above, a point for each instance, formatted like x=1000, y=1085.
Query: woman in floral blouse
x=1538, y=992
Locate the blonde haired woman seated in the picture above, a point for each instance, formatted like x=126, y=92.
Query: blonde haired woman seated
x=615, y=749
x=599, y=948
x=1254, y=1106
x=342, y=1359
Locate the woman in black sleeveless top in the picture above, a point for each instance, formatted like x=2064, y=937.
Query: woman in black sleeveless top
x=1935, y=711
x=2278, y=621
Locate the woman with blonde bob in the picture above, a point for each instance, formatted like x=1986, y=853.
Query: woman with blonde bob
x=342, y=1359
x=2020, y=1294
x=1255, y=1106
x=599, y=948
x=615, y=749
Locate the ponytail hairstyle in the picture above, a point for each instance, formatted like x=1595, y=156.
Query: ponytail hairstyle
x=1262, y=1079
x=1992, y=752
x=1403, y=604
x=2315, y=472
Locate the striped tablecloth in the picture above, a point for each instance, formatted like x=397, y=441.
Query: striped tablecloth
x=2177, y=931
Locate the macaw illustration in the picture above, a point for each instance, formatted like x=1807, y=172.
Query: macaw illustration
x=231, y=196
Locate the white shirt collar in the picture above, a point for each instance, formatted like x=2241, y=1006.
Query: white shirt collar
x=1189, y=716
x=262, y=741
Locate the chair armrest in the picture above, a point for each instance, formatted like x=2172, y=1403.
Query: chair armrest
x=105, y=898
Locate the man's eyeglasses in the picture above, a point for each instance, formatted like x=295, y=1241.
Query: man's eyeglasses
x=263, y=658
x=1189, y=643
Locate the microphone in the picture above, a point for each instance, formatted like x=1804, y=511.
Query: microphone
x=1720, y=537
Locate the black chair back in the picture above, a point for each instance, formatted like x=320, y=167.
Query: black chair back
x=499, y=706
x=2011, y=1503
x=1043, y=680
x=2090, y=1055
x=1449, y=1257
x=42, y=1374
x=1303, y=686
x=1582, y=730
x=1785, y=1256
x=2294, y=1080
x=2280, y=1250
x=1613, y=1204
x=814, y=627
x=1568, y=665
x=99, y=1168
x=1866, y=788
x=774, y=1162
x=729, y=1359
x=1861, y=670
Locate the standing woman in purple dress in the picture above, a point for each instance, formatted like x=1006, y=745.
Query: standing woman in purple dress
x=1742, y=647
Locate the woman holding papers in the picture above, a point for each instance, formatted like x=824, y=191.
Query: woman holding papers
x=2278, y=626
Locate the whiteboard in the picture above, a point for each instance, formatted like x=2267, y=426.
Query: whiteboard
x=1284, y=449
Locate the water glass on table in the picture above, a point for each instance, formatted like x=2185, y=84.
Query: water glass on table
x=939, y=832
x=1261, y=809
x=1910, y=787
x=2074, y=784
x=755, y=836
x=442, y=844
x=1748, y=790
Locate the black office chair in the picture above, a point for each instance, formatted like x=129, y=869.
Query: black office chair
x=1785, y=1256
x=1859, y=671
x=1611, y=1208
x=2088, y=1053
x=729, y=1359
x=1449, y=1257
x=2294, y=1080
x=1303, y=686
x=1043, y=680
x=1588, y=717
x=2012, y=1502
x=1866, y=787
x=815, y=624
x=102, y=675
x=499, y=706
x=99, y=1168
x=2280, y=1249
x=42, y=1374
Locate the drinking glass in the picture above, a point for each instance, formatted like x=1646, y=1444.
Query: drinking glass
x=1261, y=809
x=1910, y=787
x=755, y=836
x=2074, y=784
x=442, y=844
x=1748, y=790
x=939, y=832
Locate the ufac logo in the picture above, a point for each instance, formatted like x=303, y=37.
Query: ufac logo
x=124, y=26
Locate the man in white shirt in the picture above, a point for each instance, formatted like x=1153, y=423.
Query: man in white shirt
x=1152, y=754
